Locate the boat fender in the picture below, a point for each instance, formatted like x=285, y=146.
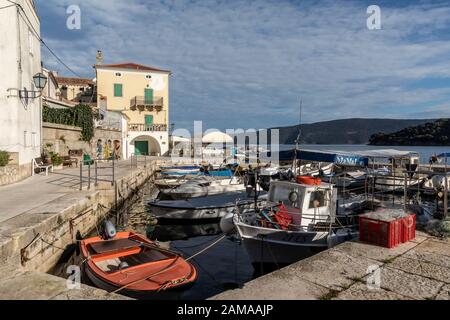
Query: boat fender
x=123, y=265
x=227, y=225
x=109, y=230
x=332, y=240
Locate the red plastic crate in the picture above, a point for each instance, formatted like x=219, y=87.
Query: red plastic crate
x=408, y=228
x=387, y=228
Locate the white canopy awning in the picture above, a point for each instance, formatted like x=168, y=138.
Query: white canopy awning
x=217, y=137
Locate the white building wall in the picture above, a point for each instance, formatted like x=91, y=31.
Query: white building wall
x=20, y=60
x=158, y=141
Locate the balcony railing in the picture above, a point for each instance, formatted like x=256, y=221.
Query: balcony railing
x=146, y=127
x=143, y=103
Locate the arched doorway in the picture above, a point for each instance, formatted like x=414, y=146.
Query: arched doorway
x=145, y=146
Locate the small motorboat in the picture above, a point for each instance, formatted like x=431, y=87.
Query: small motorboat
x=202, y=187
x=200, y=172
x=203, y=208
x=131, y=264
x=180, y=170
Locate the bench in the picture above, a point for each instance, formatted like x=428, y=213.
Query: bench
x=69, y=161
x=39, y=164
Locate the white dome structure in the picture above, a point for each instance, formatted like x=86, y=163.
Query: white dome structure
x=217, y=137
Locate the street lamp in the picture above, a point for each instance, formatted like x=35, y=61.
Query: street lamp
x=39, y=80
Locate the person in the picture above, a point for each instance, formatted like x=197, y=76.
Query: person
x=106, y=151
x=99, y=150
x=433, y=159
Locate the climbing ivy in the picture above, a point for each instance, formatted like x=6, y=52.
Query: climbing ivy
x=4, y=158
x=81, y=116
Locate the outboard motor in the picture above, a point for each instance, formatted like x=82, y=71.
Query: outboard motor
x=109, y=230
x=227, y=225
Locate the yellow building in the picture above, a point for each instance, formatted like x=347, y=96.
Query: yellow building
x=142, y=94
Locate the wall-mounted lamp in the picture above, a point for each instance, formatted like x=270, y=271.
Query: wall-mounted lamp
x=39, y=80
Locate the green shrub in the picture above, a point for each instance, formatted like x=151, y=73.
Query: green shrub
x=4, y=158
x=56, y=159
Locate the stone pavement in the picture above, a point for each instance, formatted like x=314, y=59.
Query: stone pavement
x=39, y=190
x=416, y=270
x=16, y=285
x=53, y=207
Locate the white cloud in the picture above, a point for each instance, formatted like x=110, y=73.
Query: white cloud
x=247, y=64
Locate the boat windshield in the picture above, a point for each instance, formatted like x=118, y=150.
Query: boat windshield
x=283, y=193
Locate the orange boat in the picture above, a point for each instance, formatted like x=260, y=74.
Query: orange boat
x=133, y=265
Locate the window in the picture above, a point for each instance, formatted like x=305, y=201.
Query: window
x=25, y=139
x=34, y=139
x=317, y=199
x=31, y=41
x=118, y=90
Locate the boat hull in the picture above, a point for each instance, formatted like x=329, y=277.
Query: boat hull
x=270, y=246
x=196, y=191
x=170, y=213
x=394, y=184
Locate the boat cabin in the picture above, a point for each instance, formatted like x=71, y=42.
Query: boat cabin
x=307, y=204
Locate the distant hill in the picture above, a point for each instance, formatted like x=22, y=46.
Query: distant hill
x=345, y=131
x=435, y=133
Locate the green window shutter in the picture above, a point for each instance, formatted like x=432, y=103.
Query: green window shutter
x=148, y=121
x=148, y=96
x=118, y=90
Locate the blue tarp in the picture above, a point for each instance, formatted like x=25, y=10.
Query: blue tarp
x=444, y=155
x=325, y=156
x=356, y=158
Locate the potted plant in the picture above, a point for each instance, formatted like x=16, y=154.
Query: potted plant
x=57, y=161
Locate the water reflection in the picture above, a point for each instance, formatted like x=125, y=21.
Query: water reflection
x=172, y=232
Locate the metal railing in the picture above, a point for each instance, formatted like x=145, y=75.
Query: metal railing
x=139, y=160
x=147, y=127
x=93, y=171
x=155, y=103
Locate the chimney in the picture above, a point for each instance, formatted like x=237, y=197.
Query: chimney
x=99, y=57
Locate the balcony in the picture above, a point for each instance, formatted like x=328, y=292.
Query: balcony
x=147, y=127
x=146, y=104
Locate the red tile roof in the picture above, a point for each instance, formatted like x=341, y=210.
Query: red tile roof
x=74, y=81
x=132, y=66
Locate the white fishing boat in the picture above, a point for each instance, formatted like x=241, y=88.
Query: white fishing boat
x=203, y=187
x=298, y=221
x=435, y=184
x=315, y=169
x=348, y=179
x=390, y=183
x=203, y=208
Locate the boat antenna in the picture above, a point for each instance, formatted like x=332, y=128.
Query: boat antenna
x=298, y=140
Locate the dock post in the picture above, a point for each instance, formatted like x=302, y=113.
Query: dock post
x=405, y=193
x=89, y=176
x=81, y=175
x=445, y=191
x=113, y=172
x=96, y=172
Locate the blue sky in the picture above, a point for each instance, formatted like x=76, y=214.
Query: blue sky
x=247, y=64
